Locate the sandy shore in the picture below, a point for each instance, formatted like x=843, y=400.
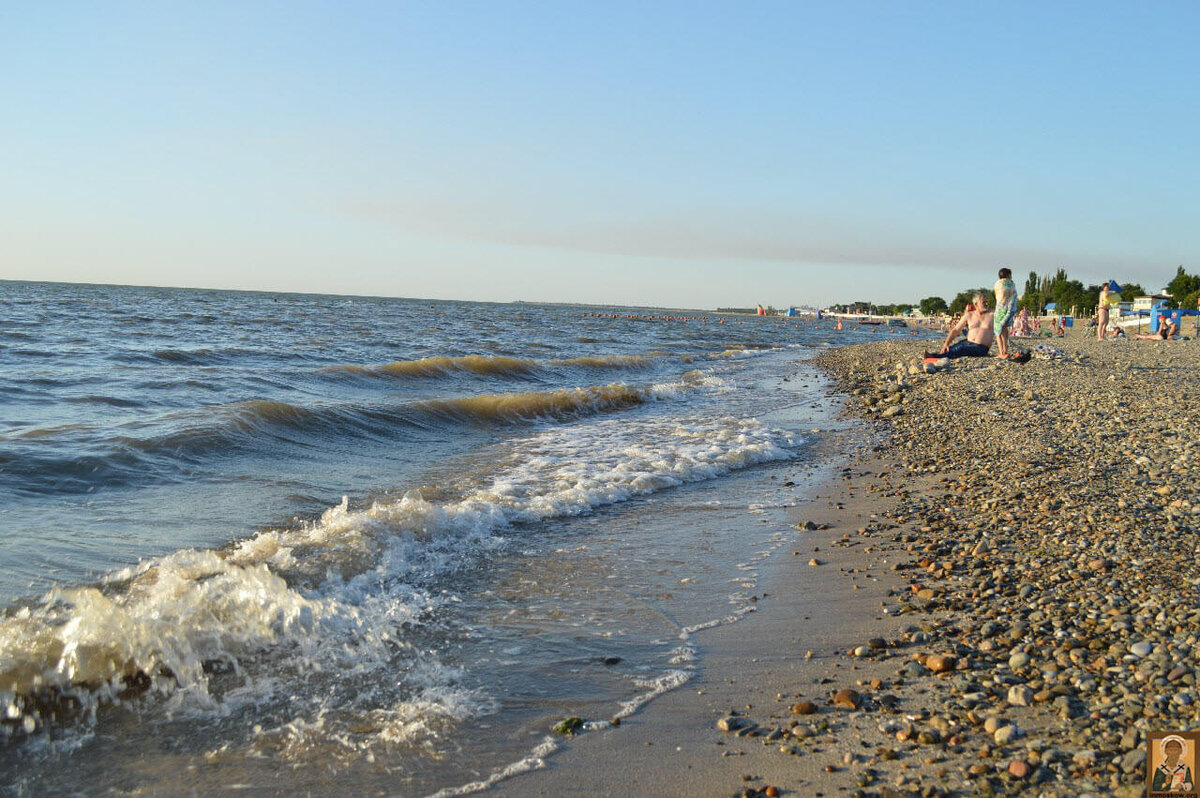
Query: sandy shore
x=1007, y=592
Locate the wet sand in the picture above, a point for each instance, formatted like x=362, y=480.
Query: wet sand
x=1008, y=583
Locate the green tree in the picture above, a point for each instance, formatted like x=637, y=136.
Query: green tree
x=1183, y=289
x=933, y=305
x=1031, y=300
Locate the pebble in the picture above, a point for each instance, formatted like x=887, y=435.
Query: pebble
x=1133, y=761
x=1019, y=769
x=1019, y=695
x=847, y=698
x=1005, y=734
x=730, y=723
x=941, y=663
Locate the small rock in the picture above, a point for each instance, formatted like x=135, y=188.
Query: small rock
x=1019, y=695
x=847, y=698
x=1005, y=734
x=1133, y=761
x=1141, y=649
x=804, y=708
x=941, y=663
x=730, y=723
x=1019, y=769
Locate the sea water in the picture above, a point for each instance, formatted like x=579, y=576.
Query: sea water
x=284, y=543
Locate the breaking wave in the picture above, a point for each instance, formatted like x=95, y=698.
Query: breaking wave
x=339, y=595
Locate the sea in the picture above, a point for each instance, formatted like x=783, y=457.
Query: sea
x=289, y=544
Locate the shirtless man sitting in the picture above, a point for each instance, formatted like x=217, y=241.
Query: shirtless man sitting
x=977, y=321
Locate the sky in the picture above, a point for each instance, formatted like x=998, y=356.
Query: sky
x=682, y=154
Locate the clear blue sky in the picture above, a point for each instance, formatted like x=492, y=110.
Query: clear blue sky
x=686, y=154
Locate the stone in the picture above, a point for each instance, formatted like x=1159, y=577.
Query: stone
x=1005, y=735
x=1085, y=758
x=804, y=708
x=1018, y=661
x=730, y=723
x=1133, y=761
x=941, y=663
x=847, y=698
x=1019, y=769
x=1019, y=695
x=1141, y=649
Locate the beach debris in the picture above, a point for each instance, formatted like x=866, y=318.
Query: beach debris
x=568, y=726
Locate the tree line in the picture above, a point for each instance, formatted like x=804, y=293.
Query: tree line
x=1066, y=295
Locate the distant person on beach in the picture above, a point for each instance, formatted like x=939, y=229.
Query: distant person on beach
x=1167, y=330
x=1102, y=313
x=977, y=321
x=1006, y=310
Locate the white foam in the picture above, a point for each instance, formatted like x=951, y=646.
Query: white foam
x=535, y=761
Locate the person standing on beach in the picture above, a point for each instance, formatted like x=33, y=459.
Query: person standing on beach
x=1006, y=310
x=1102, y=314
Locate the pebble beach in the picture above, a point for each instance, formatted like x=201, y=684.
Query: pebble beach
x=1002, y=592
x=1045, y=529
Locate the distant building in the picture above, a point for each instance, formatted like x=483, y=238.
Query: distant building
x=1148, y=302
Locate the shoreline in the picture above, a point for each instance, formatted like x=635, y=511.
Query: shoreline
x=1041, y=608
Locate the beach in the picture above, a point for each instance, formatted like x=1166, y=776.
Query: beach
x=623, y=553
x=1004, y=600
